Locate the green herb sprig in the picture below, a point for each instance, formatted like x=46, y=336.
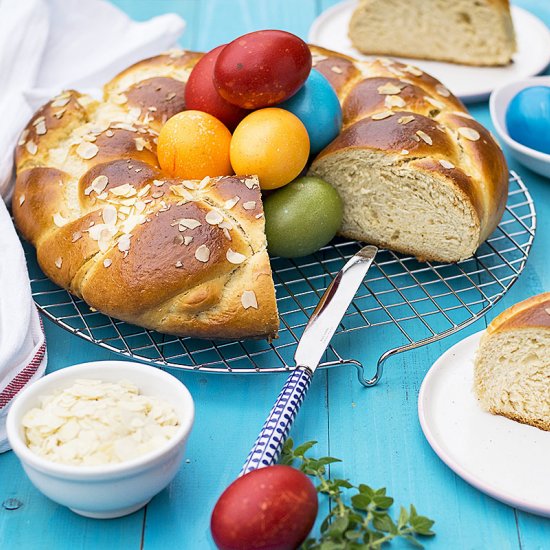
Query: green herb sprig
x=364, y=523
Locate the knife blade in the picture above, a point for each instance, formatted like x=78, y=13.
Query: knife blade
x=331, y=309
x=312, y=345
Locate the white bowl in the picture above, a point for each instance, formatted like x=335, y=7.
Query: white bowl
x=498, y=103
x=112, y=490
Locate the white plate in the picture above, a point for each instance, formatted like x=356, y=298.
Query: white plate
x=330, y=30
x=505, y=459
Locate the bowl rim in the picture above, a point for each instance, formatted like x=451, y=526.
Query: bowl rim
x=120, y=469
x=496, y=106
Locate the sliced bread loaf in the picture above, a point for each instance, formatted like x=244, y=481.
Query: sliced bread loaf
x=473, y=32
x=512, y=365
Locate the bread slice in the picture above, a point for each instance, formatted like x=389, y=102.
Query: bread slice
x=512, y=365
x=472, y=32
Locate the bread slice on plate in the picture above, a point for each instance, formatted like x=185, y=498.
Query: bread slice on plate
x=471, y=32
x=512, y=365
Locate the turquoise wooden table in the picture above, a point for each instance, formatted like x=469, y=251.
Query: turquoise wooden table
x=375, y=431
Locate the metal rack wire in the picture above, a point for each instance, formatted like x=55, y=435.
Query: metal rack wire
x=418, y=302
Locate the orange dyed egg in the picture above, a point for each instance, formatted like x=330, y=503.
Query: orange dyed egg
x=271, y=143
x=193, y=145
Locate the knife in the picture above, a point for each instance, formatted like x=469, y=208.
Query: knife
x=312, y=345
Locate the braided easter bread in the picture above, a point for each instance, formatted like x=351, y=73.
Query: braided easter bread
x=416, y=172
x=185, y=258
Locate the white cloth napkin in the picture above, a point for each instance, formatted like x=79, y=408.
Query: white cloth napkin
x=47, y=46
x=50, y=45
x=22, y=345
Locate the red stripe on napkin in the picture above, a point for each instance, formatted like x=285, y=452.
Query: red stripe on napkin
x=23, y=377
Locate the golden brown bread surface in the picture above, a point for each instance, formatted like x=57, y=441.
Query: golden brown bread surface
x=416, y=172
x=92, y=199
x=512, y=365
x=182, y=257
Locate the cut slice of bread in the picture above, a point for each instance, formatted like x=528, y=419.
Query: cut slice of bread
x=472, y=32
x=512, y=365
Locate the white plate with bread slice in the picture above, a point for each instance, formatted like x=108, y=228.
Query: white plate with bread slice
x=470, y=83
x=505, y=459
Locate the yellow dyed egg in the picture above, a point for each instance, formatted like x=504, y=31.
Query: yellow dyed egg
x=271, y=143
x=193, y=145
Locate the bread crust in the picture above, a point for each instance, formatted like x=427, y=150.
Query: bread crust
x=424, y=125
x=185, y=258
x=534, y=312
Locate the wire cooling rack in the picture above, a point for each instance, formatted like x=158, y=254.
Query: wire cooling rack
x=414, y=303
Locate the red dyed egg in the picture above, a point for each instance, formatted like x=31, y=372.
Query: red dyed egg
x=262, y=68
x=201, y=94
x=272, y=508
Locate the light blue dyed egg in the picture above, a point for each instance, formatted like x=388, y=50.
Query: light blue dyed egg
x=316, y=105
x=528, y=118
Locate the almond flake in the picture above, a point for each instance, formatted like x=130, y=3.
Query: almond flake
x=251, y=183
x=59, y=220
x=382, y=115
x=109, y=133
x=40, y=128
x=405, y=119
x=226, y=234
x=389, y=89
x=77, y=235
x=424, y=137
x=59, y=114
x=204, y=182
x=109, y=214
x=87, y=150
x=140, y=143
x=249, y=205
x=413, y=70
x=226, y=224
x=202, y=253
x=144, y=190
x=179, y=264
x=213, y=217
x=23, y=137
x=336, y=69
x=187, y=240
x=31, y=147
x=469, y=133
x=437, y=104
x=98, y=185
x=158, y=183
x=446, y=164
x=442, y=91
x=124, y=242
x=189, y=223
x=21, y=200
x=394, y=101
x=107, y=262
x=234, y=257
x=157, y=194
x=229, y=204
x=462, y=114
x=170, y=96
x=61, y=101
x=248, y=299
x=404, y=152
x=59, y=263
x=260, y=215
x=124, y=190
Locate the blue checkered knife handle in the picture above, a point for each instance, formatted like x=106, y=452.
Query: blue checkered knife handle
x=269, y=444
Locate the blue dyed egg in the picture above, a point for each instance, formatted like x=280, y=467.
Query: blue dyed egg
x=528, y=118
x=317, y=106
